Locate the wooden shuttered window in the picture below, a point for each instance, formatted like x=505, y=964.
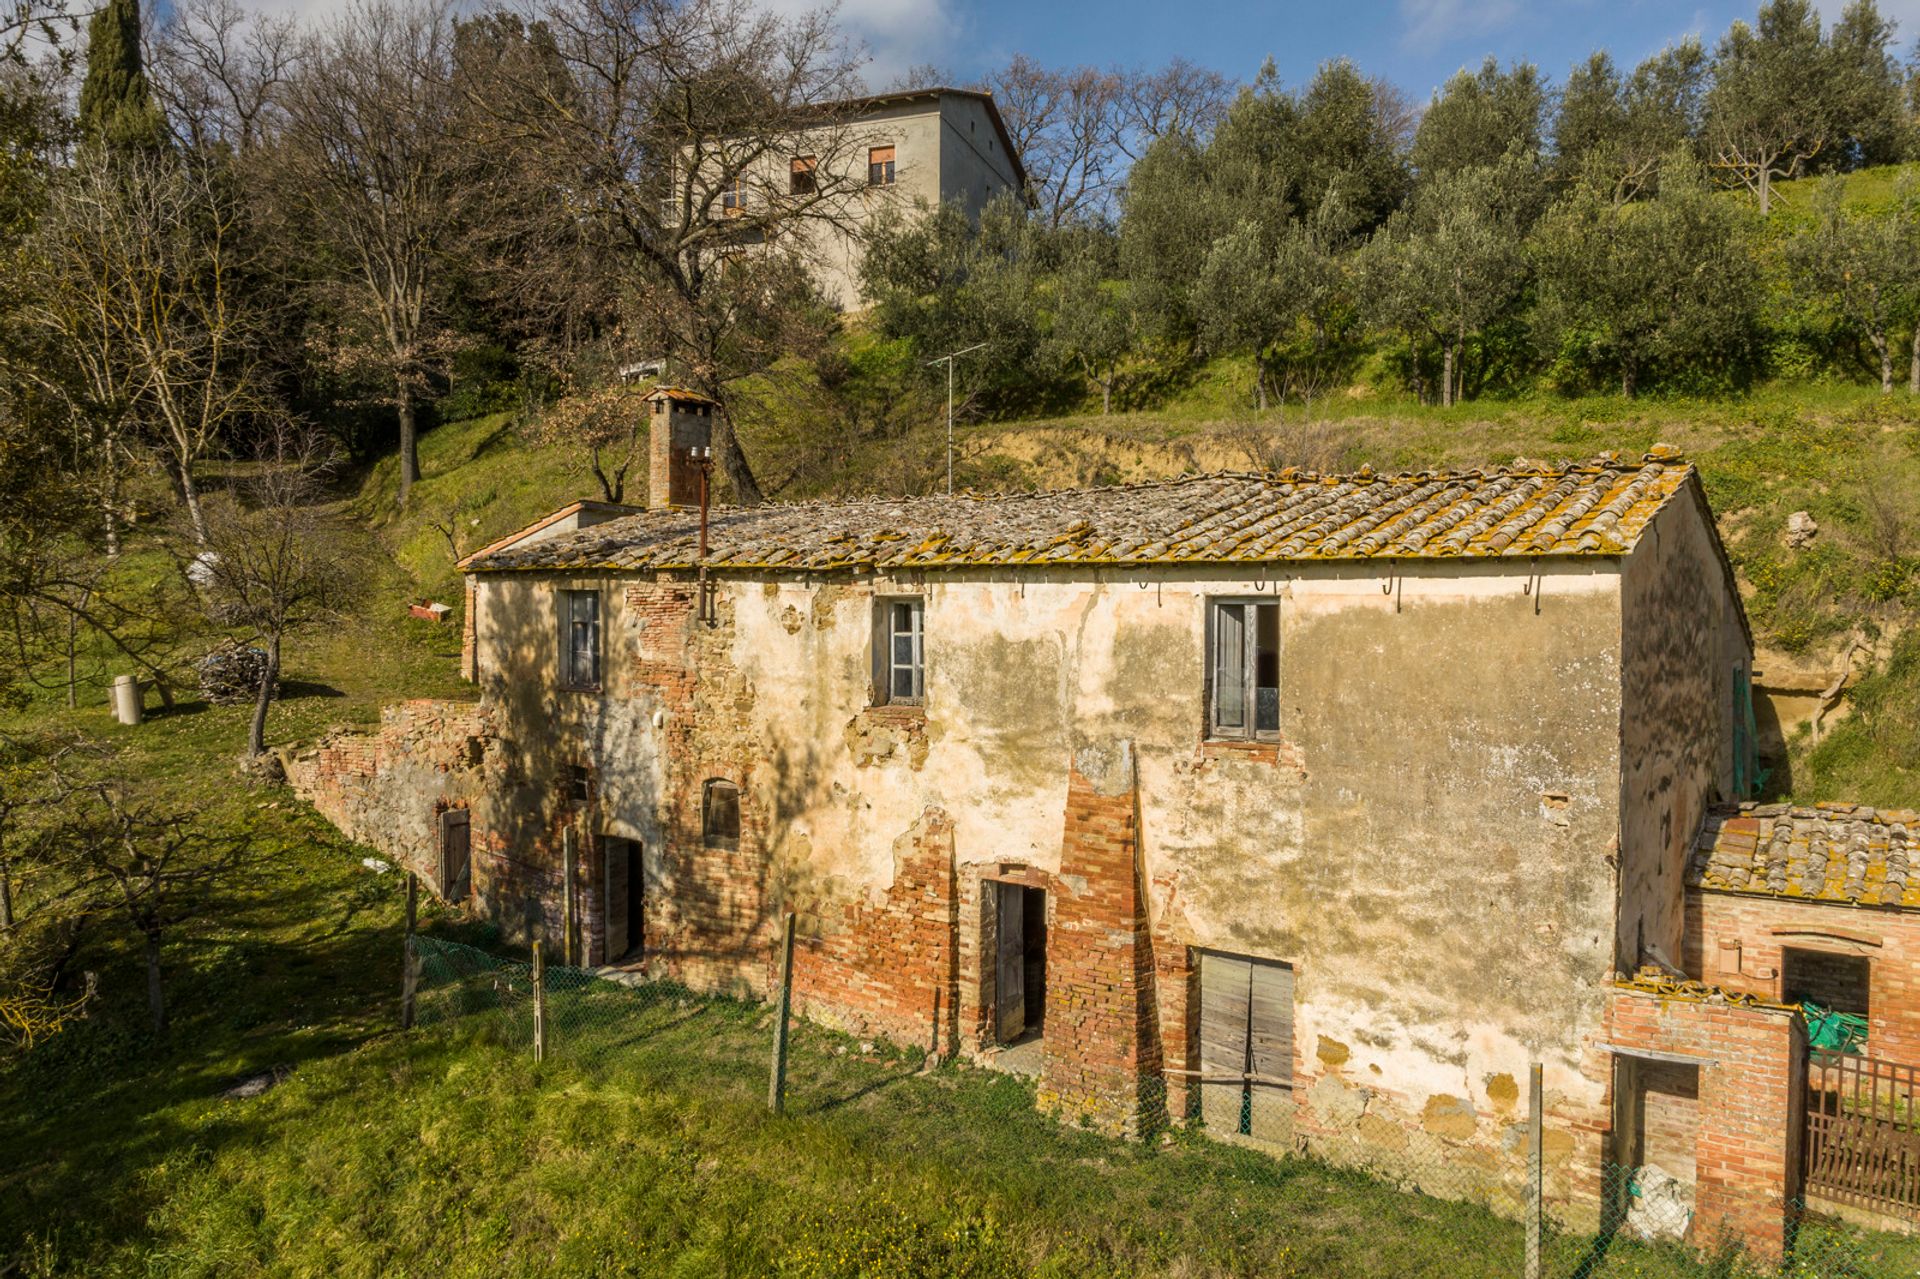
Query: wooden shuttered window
x=880, y=166
x=1243, y=669
x=1246, y=1047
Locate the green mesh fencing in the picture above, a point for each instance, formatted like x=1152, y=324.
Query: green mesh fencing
x=1226, y=1186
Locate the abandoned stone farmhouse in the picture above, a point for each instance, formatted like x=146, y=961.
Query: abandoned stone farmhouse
x=1312, y=807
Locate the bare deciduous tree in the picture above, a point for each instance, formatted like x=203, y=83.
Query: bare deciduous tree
x=370, y=161
x=218, y=69
x=276, y=560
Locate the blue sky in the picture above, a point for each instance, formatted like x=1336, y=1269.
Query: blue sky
x=1416, y=43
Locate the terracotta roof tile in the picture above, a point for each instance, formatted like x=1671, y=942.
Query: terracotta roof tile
x=1845, y=853
x=1590, y=508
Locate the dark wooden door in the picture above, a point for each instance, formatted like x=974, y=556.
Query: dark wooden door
x=1010, y=972
x=613, y=905
x=636, y=901
x=455, y=854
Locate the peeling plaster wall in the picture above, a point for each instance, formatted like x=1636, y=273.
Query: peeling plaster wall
x=1428, y=845
x=1680, y=643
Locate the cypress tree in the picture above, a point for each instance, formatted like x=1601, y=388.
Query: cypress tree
x=116, y=109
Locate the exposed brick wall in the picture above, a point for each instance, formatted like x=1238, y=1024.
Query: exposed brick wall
x=1102, y=1043
x=1738, y=941
x=891, y=968
x=1750, y=1107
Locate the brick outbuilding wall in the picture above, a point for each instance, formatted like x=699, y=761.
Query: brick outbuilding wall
x=1738, y=941
x=1749, y=1111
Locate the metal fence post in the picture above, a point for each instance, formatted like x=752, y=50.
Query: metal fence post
x=1536, y=1190
x=539, y=1005
x=777, y=1086
x=409, y=963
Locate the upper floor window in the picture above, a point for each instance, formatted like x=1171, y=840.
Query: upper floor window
x=720, y=813
x=880, y=166
x=1243, y=668
x=800, y=178
x=899, y=657
x=733, y=200
x=580, y=639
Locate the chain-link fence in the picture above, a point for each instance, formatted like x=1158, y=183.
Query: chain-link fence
x=1361, y=1202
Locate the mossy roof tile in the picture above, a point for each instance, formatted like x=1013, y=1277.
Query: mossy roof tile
x=1845, y=853
x=1599, y=507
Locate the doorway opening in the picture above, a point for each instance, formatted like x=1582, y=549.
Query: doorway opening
x=624, y=915
x=456, y=855
x=1020, y=965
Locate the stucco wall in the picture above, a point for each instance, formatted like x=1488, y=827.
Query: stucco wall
x=1428, y=846
x=1680, y=643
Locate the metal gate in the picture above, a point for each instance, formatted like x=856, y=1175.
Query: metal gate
x=1863, y=1134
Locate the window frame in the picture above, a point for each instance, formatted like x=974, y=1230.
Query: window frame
x=1249, y=730
x=803, y=175
x=733, y=197
x=708, y=835
x=568, y=672
x=885, y=637
x=885, y=171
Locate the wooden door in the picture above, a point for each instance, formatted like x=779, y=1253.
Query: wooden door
x=1246, y=1047
x=1010, y=973
x=636, y=900
x=455, y=850
x=613, y=901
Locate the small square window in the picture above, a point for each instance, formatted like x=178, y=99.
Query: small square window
x=1243, y=669
x=899, y=658
x=579, y=784
x=800, y=177
x=880, y=166
x=580, y=639
x=720, y=814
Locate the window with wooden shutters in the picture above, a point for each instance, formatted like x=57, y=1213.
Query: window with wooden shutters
x=880, y=166
x=800, y=176
x=1243, y=669
x=899, y=670
x=580, y=639
x=1246, y=1047
x=733, y=199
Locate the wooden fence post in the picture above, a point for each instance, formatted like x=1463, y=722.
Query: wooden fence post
x=566, y=896
x=409, y=963
x=777, y=1086
x=1536, y=1189
x=539, y=1005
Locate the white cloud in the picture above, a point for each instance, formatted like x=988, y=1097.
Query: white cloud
x=1431, y=23
x=897, y=34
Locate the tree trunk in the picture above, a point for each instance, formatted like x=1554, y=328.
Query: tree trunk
x=1885, y=350
x=1446, y=375
x=1913, y=369
x=1106, y=397
x=1766, y=188
x=733, y=461
x=156, y=1000
x=1260, y=382
x=110, y=503
x=6, y=898
x=1627, y=381
x=73, y=660
x=257, y=730
x=190, y=494
x=409, y=441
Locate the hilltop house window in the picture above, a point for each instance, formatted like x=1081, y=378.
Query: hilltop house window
x=880, y=166
x=733, y=200
x=720, y=814
x=899, y=659
x=580, y=639
x=1243, y=669
x=800, y=178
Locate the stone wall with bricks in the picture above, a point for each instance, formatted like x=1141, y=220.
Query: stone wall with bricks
x=1740, y=940
x=387, y=788
x=1749, y=1109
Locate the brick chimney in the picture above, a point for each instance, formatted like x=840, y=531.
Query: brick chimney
x=682, y=421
